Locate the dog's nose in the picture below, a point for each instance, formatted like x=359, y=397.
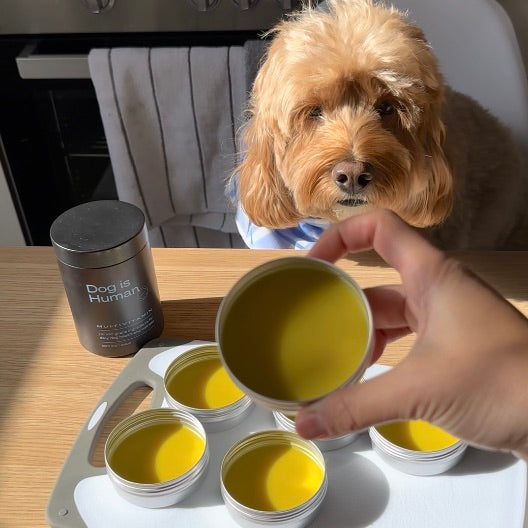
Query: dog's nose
x=352, y=176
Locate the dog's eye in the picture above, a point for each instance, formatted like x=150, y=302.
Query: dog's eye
x=315, y=113
x=385, y=108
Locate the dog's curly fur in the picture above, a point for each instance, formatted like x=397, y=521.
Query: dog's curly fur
x=349, y=112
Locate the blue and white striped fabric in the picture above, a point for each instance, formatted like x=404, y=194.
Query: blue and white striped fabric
x=302, y=236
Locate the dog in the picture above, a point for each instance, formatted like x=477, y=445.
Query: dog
x=349, y=112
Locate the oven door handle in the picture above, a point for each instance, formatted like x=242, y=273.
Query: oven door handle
x=33, y=65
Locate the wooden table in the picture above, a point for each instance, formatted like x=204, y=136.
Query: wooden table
x=49, y=384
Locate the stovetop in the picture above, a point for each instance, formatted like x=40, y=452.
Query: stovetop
x=25, y=17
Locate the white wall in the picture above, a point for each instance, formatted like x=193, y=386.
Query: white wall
x=518, y=12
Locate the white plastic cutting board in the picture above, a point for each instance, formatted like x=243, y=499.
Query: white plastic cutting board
x=485, y=490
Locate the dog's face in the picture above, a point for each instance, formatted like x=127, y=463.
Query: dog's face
x=345, y=116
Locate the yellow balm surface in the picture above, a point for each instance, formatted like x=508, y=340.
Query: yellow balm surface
x=157, y=453
x=417, y=435
x=295, y=334
x=204, y=384
x=273, y=477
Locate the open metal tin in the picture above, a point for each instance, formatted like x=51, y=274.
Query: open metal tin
x=157, y=457
x=196, y=382
x=413, y=461
x=293, y=330
x=286, y=422
x=273, y=478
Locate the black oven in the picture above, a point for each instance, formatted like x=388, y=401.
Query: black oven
x=53, y=149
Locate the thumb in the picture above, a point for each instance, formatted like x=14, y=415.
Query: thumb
x=389, y=396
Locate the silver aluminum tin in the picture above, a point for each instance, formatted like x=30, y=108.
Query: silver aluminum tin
x=213, y=420
x=288, y=406
x=422, y=463
x=285, y=423
x=297, y=517
x=162, y=494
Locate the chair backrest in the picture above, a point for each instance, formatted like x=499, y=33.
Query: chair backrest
x=479, y=55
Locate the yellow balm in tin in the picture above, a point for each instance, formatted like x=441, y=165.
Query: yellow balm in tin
x=273, y=477
x=204, y=385
x=417, y=435
x=293, y=330
x=157, y=453
x=156, y=458
x=197, y=382
x=417, y=447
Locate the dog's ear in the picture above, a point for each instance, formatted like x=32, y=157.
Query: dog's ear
x=261, y=190
x=434, y=202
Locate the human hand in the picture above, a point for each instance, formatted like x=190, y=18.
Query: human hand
x=468, y=369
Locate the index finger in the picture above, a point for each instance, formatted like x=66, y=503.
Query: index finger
x=397, y=243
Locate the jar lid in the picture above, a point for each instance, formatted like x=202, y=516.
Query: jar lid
x=98, y=234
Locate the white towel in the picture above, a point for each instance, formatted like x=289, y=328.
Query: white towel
x=170, y=116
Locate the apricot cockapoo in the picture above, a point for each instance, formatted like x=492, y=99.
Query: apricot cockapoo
x=350, y=112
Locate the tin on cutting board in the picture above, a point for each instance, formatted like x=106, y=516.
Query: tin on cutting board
x=293, y=330
x=157, y=457
x=197, y=382
x=286, y=422
x=417, y=447
x=273, y=478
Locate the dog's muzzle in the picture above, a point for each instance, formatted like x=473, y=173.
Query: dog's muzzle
x=352, y=177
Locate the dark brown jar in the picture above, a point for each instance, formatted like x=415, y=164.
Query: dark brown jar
x=106, y=265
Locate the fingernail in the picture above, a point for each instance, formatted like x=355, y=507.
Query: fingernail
x=309, y=425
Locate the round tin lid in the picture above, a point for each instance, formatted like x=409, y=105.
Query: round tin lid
x=98, y=234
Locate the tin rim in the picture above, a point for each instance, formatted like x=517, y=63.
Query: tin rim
x=441, y=459
x=263, y=270
x=142, y=420
x=274, y=437
x=234, y=410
